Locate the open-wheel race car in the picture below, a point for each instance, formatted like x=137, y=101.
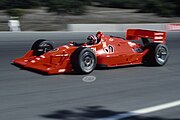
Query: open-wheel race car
x=140, y=47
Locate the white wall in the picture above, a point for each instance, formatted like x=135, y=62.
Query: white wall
x=114, y=27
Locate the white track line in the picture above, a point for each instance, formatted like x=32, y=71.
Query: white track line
x=143, y=111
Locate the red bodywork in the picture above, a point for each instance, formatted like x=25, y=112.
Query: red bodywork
x=110, y=52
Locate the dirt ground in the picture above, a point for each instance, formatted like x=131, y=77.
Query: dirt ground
x=40, y=20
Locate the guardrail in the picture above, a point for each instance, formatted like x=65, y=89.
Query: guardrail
x=173, y=27
x=122, y=27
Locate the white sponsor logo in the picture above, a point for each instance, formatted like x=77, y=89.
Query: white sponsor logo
x=42, y=56
x=131, y=44
x=111, y=39
x=104, y=44
x=61, y=70
x=158, y=33
x=62, y=55
x=38, y=58
x=66, y=46
x=94, y=49
x=158, y=41
x=158, y=37
x=33, y=61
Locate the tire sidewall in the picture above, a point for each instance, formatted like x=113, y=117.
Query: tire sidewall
x=77, y=60
x=84, y=54
x=37, y=46
x=156, y=52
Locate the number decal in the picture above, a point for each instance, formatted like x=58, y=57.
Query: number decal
x=109, y=49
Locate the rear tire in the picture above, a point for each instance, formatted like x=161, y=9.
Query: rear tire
x=157, y=55
x=41, y=46
x=83, y=60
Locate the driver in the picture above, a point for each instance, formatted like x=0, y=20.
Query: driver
x=91, y=40
x=99, y=35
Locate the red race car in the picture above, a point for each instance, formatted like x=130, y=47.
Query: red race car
x=140, y=47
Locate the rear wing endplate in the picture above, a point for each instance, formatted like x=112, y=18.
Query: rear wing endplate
x=156, y=36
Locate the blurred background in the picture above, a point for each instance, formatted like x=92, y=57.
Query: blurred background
x=55, y=15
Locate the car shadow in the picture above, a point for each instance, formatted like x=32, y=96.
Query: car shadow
x=118, y=67
x=73, y=73
x=94, y=113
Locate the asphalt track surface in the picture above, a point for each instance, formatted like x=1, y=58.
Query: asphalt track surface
x=25, y=95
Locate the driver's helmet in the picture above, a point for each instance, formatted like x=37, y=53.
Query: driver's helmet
x=99, y=35
x=92, y=39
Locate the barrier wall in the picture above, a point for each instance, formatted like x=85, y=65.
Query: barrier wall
x=121, y=27
x=173, y=27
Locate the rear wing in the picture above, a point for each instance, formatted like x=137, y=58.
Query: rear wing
x=156, y=36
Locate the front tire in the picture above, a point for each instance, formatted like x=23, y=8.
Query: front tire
x=157, y=55
x=83, y=60
x=41, y=46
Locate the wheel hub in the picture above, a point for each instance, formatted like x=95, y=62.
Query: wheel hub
x=87, y=61
x=162, y=54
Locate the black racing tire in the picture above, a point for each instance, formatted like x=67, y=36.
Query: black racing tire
x=41, y=46
x=157, y=56
x=83, y=60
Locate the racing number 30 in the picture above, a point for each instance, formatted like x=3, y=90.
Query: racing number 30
x=109, y=49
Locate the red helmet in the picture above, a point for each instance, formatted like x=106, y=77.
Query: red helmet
x=92, y=39
x=99, y=34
